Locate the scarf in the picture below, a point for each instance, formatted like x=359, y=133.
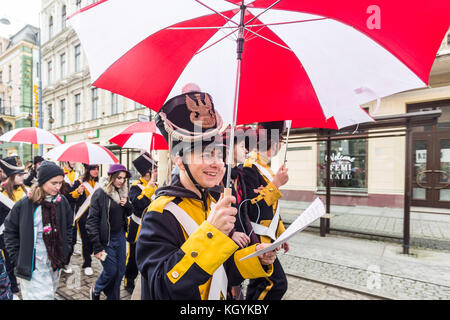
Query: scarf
x=52, y=235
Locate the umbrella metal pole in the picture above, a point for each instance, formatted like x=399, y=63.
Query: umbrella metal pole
x=240, y=49
x=287, y=141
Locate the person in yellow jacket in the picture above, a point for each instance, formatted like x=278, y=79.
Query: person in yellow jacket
x=183, y=250
x=262, y=187
x=70, y=177
x=80, y=198
x=141, y=195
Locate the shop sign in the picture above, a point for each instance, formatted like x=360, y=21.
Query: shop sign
x=92, y=134
x=341, y=167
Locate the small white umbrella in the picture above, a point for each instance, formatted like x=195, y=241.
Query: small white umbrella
x=32, y=135
x=84, y=152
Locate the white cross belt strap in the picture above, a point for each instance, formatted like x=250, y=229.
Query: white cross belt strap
x=219, y=281
x=136, y=219
x=86, y=202
x=264, y=171
x=271, y=230
x=6, y=201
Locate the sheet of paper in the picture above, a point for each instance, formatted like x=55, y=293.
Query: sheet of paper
x=312, y=213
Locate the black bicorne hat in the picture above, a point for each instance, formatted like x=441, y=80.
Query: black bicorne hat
x=144, y=163
x=267, y=130
x=188, y=120
x=12, y=165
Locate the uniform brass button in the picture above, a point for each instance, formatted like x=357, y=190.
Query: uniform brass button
x=194, y=254
x=209, y=235
x=263, y=194
x=175, y=275
x=271, y=189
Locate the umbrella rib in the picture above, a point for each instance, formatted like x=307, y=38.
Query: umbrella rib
x=267, y=9
x=224, y=37
x=217, y=12
x=287, y=22
x=271, y=41
x=199, y=28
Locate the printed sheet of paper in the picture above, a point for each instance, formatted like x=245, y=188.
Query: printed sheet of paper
x=312, y=213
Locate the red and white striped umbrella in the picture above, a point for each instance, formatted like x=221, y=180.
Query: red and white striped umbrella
x=308, y=59
x=84, y=152
x=32, y=135
x=141, y=135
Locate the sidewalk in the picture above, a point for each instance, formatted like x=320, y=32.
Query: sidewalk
x=373, y=267
x=429, y=230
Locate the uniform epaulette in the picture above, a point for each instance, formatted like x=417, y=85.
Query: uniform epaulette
x=135, y=183
x=159, y=204
x=249, y=163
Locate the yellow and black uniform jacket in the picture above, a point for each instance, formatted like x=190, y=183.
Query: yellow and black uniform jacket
x=266, y=199
x=76, y=200
x=4, y=210
x=175, y=266
x=141, y=199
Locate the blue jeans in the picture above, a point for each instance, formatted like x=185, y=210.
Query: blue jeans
x=5, y=286
x=113, y=267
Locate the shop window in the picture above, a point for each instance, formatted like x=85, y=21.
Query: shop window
x=348, y=165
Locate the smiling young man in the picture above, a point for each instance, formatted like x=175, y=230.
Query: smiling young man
x=183, y=250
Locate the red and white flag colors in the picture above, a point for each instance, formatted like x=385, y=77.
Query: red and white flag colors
x=32, y=135
x=84, y=152
x=141, y=135
x=302, y=60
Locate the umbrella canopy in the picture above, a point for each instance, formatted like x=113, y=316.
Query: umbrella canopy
x=307, y=60
x=141, y=135
x=32, y=135
x=84, y=152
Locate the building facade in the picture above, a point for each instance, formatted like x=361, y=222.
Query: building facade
x=72, y=107
x=371, y=172
x=18, y=78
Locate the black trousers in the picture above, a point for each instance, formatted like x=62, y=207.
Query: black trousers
x=271, y=288
x=131, y=271
x=87, y=249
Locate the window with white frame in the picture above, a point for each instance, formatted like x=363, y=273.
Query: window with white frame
x=77, y=108
x=77, y=64
x=114, y=103
x=62, y=65
x=94, y=94
x=62, y=108
x=50, y=27
x=63, y=17
x=49, y=72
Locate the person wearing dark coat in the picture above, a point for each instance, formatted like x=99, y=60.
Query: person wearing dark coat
x=32, y=174
x=80, y=200
x=141, y=193
x=38, y=234
x=106, y=227
x=242, y=233
x=183, y=250
x=263, y=189
x=11, y=191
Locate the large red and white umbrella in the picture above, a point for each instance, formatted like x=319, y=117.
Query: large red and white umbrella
x=141, y=135
x=307, y=59
x=84, y=152
x=32, y=135
x=296, y=60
